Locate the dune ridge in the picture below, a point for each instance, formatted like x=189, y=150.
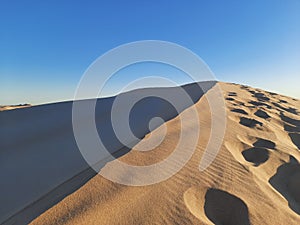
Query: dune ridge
x=253, y=180
x=39, y=153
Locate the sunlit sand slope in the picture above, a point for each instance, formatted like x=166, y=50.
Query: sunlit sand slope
x=253, y=180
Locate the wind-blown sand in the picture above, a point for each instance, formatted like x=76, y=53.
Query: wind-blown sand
x=253, y=180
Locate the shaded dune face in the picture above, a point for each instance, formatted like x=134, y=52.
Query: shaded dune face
x=223, y=208
x=155, y=104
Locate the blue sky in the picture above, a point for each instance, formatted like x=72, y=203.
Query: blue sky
x=45, y=46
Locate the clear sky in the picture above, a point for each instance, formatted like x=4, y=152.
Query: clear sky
x=45, y=46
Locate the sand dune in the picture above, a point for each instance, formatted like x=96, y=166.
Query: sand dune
x=253, y=180
x=39, y=153
x=11, y=107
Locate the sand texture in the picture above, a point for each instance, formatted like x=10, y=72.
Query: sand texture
x=255, y=178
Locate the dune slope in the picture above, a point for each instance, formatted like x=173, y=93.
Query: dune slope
x=40, y=162
x=253, y=180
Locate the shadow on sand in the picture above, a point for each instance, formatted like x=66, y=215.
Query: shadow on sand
x=287, y=182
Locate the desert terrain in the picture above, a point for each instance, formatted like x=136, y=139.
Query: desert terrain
x=255, y=178
x=11, y=107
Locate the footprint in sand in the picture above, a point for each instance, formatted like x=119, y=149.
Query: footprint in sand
x=261, y=96
x=251, y=123
x=287, y=182
x=256, y=156
x=247, y=88
x=262, y=114
x=257, y=94
x=289, y=120
x=272, y=93
x=241, y=111
x=292, y=126
x=282, y=101
x=211, y=205
x=230, y=99
x=258, y=103
x=259, y=154
x=263, y=143
x=282, y=108
x=232, y=94
x=217, y=208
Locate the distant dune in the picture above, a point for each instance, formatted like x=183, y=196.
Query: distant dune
x=255, y=178
x=10, y=107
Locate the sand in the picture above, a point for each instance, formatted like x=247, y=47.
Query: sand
x=11, y=107
x=253, y=180
x=39, y=157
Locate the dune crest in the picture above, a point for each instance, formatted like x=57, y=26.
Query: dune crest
x=253, y=180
